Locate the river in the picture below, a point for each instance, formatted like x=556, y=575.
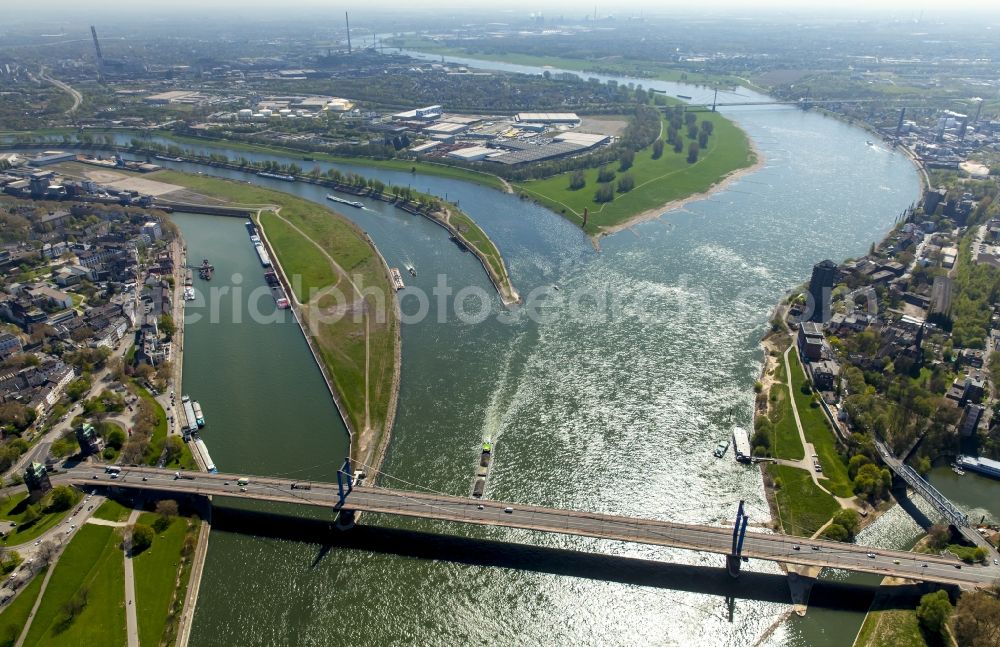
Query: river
x=611, y=404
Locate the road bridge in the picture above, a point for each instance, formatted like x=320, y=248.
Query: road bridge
x=429, y=505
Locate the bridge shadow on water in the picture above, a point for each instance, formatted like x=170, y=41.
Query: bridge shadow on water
x=902, y=496
x=473, y=551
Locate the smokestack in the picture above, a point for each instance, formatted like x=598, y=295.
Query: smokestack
x=347, y=19
x=100, y=57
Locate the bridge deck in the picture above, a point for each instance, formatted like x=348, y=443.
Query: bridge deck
x=773, y=547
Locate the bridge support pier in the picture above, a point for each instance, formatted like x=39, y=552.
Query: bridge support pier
x=345, y=520
x=733, y=565
x=345, y=485
x=735, y=558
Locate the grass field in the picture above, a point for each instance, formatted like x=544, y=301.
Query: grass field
x=92, y=561
x=657, y=181
x=300, y=233
x=13, y=510
x=891, y=628
x=803, y=508
x=819, y=433
x=476, y=238
x=111, y=510
x=156, y=578
x=16, y=614
x=785, y=441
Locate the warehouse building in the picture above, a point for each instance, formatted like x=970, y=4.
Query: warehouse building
x=569, y=118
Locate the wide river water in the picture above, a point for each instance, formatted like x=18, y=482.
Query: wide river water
x=613, y=401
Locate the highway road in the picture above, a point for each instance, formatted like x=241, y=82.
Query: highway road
x=73, y=93
x=773, y=547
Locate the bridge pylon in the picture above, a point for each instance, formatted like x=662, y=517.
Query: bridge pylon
x=345, y=485
x=735, y=557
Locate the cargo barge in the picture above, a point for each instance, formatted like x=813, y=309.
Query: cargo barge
x=482, y=470
x=397, y=278
x=350, y=203
x=276, y=176
x=200, y=447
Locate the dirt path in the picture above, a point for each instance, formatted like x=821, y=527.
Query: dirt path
x=131, y=617
x=807, y=461
x=34, y=609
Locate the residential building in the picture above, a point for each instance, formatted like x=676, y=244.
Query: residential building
x=970, y=419
x=821, y=284
x=810, y=340
x=9, y=345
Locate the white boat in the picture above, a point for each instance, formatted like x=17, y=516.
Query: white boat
x=412, y=270
x=742, y=444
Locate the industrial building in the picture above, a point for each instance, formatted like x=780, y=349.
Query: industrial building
x=175, y=96
x=570, y=118
x=472, y=153
x=429, y=113
x=52, y=157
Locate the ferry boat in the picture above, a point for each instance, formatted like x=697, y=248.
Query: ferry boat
x=192, y=419
x=189, y=294
x=350, y=203
x=743, y=450
x=276, y=176
x=198, y=415
x=721, y=448
x=412, y=270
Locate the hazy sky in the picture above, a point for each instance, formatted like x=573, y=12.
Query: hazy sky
x=564, y=6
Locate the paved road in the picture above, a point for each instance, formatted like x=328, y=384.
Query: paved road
x=780, y=548
x=77, y=97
